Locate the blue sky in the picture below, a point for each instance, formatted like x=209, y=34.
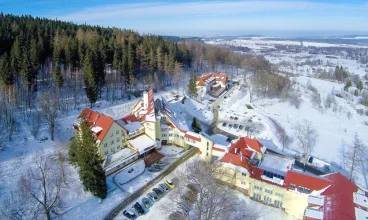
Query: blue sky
x=207, y=18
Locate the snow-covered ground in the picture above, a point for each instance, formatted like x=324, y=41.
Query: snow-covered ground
x=171, y=150
x=165, y=206
x=130, y=172
x=198, y=110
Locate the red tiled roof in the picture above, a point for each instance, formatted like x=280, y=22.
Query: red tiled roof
x=339, y=201
x=95, y=119
x=304, y=180
x=131, y=118
x=218, y=149
x=243, y=142
x=200, y=82
x=237, y=161
x=192, y=137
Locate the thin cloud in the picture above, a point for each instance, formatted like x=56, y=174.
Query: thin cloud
x=162, y=10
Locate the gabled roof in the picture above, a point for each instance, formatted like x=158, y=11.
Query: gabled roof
x=129, y=118
x=95, y=119
x=301, y=179
x=247, y=143
x=200, y=82
x=236, y=160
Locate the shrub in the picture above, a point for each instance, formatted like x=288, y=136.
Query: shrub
x=249, y=106
x=183, y=100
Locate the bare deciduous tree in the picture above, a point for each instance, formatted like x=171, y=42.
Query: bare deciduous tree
x=306, y=137
x=284, y=138
x=49, y=104
x=43, y=183
x=200, y=195
x=354, y=155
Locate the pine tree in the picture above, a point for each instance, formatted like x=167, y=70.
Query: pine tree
x=130, y=62
x=6, y=75
x=192, y=86
x=196, y=125
x=160, y=59
x=15, y=57
x=58, y=77
x=152, y=63
x=72, y=151
x=27, y=71
x=89, y=75
x=90, y=169
x=360, y=85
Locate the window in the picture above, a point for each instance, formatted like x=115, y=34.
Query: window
x=182, y=137
x=170, y=135
x=267, y=200
x=278, y=203
x=280, y=195
x=257, y=196
x=164, y=135
x=112, y=142
x=105, y=145
x=243, y=182
x=111, y=134
x=117, y=131
x=117, y=139
x=303, y=189
x=118, y=147
x=112, y=150
x=207, y=154
x=258, y=188
x=244, y=174
x=106, y=153
x=292, y=186
x=122, y=134
x=268, y=191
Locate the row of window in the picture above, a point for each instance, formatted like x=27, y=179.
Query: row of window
x=280, y=195
x=112, y=150
x=300, y=188
x=268, y=200
x=272, y=175
x=268, y=191
x=258, y=188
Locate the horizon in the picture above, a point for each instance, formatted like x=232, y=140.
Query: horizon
x=186, y=18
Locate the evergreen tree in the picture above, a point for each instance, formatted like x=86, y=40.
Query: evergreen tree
x=34, y=55
x=90, y=168
x=192, y=86
x=130, y=62
x=196, y=125
x=73, y=151
x=360, y=85
x=58, y=77
x=15, y=58
x=90, y=79
x=6, y=75
x=160, y=59
x=348, y=85
x=27, y=71
x=152, y=63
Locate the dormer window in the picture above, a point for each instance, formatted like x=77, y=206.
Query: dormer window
x=292, y=186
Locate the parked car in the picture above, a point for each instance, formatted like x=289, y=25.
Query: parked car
x=146, y=203
x=153, y=196
x=241, y=127
x=231, y=117
x=154, y=169
x=138, y=208
x=163, y=187
x=230, y=125
x=236, y=118
x=170, y=184
x=129, y=214
x=236, y=126
x=224, y=124
x=158, y=191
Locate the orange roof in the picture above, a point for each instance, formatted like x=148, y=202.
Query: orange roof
x=95, y=119
x=200, y=82
x=192, y=137
x=244, y=143
x=218, y=149
x=304, y=180
x=237, y=161
x=131, y=118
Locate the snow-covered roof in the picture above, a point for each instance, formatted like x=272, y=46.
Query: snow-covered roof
x=361, y=200
x=142, y=143
x=132, y=126
x=96, y=129
x=276, y=162
x=220, y=139
x=316, y=200
x=313, y=213
x=360, y=214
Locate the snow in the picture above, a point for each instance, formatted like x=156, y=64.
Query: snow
x=360, y=214
x=198, y=110
x=132, y=126
x=313, y=213
x=141, y=143
x=171, y=150
x=361, y=200
x=316, y=200
x=220, y=139
x=193, y=134
x=119, y=156
x=96, y=129
x=130, y=172
x=276, y=162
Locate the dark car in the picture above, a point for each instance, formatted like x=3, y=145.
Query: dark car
x=236, y=118
x=158, y=191
x=230, y=125
x=154, y=169
x=146, y=203
x=164, y=187
x=224, y=124
x=138, y=208
x=236, y=126
x=241, y=127
x=231, y=117
x=129, y=214
x=176, y=216
x=153, y=196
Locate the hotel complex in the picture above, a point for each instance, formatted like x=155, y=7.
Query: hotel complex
x=261, y=174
